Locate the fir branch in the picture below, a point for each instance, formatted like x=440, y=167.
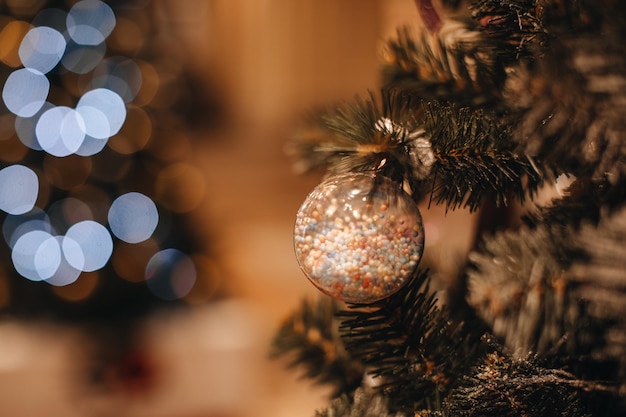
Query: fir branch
x=600, y=279
x=568, y=108
x=559, y=291
x=515, y=26
x=458, y=156
x=310, y=337
x=362, y=136
x=456, y=65
x=583, y=200
x=474, y=159
x=516, y=283
x=409, y=345
x=504, y=387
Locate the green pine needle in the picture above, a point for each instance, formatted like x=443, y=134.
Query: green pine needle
x=409, y=346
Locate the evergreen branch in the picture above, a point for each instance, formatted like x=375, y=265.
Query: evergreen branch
x=457, y=155
x=361, y=136
x=311, y=338
x=504, y=387
x=456, y=65
x=515, y=26
x=600, y=280
x=409, y=345
x=569, y=108
x=474, y=159
x=582, y=201
x=559, y=291
x=517, y=285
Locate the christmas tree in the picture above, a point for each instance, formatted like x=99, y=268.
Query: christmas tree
x=483, y=104
x=95, y=188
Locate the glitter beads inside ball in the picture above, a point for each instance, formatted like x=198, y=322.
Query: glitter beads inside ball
x=358, y=238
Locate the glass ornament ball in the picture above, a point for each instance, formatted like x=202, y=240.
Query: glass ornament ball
x=358, y=237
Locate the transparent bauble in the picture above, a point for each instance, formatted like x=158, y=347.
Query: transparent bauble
x=358, y=237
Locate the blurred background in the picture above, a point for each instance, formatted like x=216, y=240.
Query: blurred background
x=148, y=204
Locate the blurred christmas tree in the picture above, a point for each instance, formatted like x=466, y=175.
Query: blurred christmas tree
x=95, y=183
x=483, y=104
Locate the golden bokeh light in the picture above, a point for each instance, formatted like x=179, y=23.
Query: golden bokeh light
x=96, y=199
x=79, y=290
x=207, y=282
x=67, y=173
x=129, y=260
x=127, y=37
x=149, y=85
x=171, y=146
x=180, y=187
x=135, y=133
x=10, y=38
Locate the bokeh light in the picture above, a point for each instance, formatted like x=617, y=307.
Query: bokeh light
x=80, y=289
x=180, y=187
x=90, y=22
x=80, y=59
x=128, y=36
x=36, y=255
x=52, y=18
x=24, y=7
x=133, y=217
x=97, y=199
x=25, y=91
x=14, y=226
x=129, y=260
x=12, y=150
x=47, y=258
x=60, y=131
x=66, y=212
x=95, y=244
x=103, y=112
x=150, y=81
x=42, y=49
x=67, y=272
x=207, y=280
x=120, y=75
x=20, y=187
x=10, y=38
x=25, y=127
x=91, y=146
x=170, y=274
x=135, y=134
x=66, y=173
x=89, y=103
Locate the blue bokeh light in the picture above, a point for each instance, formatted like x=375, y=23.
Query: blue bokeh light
x=67, y=273
x=133, y=217
x=119, y=74
x=95, y=243
x=90, y=22
x=29, y=253
x=47, y=258
x=103, y=112
x=25, y=127
x=19, y=188
x=25, y=91
x=41, y=49
x=60, y=131
x=170, y=274
x=80, y=59
x=15, y=226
